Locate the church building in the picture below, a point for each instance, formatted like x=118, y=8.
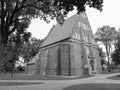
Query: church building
x=68, y=50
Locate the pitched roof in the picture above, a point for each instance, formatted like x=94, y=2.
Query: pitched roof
x=61, y=32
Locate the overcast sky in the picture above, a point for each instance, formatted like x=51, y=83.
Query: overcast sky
x=109, y=16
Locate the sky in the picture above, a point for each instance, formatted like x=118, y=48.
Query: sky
x=109, y=16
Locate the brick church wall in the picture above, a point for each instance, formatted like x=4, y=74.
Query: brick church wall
x=43, y=60
x=77, y=59
x=72, y=60
x=97, y=60
x=31, y=69
x=37, y=65
x=65, y=59
x=52, y=61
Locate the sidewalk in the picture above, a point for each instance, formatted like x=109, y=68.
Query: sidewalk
x=58, y=84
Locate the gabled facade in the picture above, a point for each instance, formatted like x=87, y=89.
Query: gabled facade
x=69, y=49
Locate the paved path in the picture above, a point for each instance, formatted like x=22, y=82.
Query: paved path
x=59, y=84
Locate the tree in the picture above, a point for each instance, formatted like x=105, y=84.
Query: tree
x=13, y=12
x=13, y=47
x=20, y=68
x=116, y=53
x=9, y=59
x=30, y=49
x=106, y=35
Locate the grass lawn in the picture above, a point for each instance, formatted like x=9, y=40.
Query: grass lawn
x=19, y=76
x=18, y=83
x=94, y=87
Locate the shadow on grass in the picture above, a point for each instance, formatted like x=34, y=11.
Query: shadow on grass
x=18, y=83
x=94, y=87
x=39, y=77
x=117, y=77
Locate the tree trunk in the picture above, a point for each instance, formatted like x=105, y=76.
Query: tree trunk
x=3, y=43
x=107, y=51
x=1, y=55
